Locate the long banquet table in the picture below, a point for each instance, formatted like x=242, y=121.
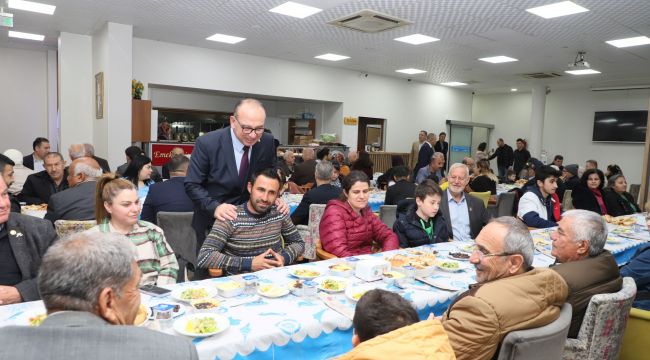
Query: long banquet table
x=306, y=328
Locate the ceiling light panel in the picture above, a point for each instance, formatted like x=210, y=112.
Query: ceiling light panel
x=582, y=72
x=563, y=8
x=27, y=36
x=228, y=39
x=410, y=71
x=633, y=41
x=498, y=59
x=291, y=8
x=332, y=57
x=416, y=39
x=31, y=6
x=453, y=83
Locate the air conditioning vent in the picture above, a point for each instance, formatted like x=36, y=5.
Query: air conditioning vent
x=369, y=21
x=541, y=75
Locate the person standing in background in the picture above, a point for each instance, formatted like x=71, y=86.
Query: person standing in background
x=520, y=156
x=415, y=149
x=35, y=160
x=442, y=146
x=504, y=155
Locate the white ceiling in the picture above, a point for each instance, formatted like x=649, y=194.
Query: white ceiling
x=468, y=29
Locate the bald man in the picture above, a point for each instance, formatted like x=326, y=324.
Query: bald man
x=165, y=169
x=78, y=201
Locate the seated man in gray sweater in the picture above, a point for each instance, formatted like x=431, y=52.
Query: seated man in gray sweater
x=254, y=240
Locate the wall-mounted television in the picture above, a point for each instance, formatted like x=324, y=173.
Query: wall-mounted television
x=620, y=126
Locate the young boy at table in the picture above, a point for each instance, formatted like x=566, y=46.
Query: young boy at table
x=423, y=223
x=386, y=326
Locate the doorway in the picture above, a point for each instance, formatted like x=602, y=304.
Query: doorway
x=370, y=134
x=464, y=138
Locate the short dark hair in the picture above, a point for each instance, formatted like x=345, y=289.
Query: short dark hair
x=442, y=133
x=54, y=153
x=322, y=153
x=270, y=173
x=4, y=161
x=545, y=172
x=558, y=157
x=132, y=151
x=482, y=146
x=379, y=312
x=38, y=141
x=401, y=172
x=585, y=177
x=427, y=188
x=520, y=139
x=178, y=162
x=614, y=169
x=353, y=177
x=593, y=162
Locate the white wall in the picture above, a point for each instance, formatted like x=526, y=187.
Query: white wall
x=23, y=98
x=408, y=106
x=568, y=124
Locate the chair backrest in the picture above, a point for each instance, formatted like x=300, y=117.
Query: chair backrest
x=485, y=196
x=634, y=191
x=67, y=227
x=567, y=203
x=179, y=233
x=546, y=342
x=603, y=326
x=506, y=204
x=388, y=214
x=315, y=214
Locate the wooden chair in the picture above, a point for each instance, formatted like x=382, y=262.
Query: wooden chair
x=485, y=196
x=306, y=187
x=68, y=227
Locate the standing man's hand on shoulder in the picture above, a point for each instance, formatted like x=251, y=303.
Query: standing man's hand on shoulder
x=225, y=212
x=282, y=206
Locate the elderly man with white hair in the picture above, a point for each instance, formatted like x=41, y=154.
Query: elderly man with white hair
x=21, y=172
x=509, y=295
x=465, y=214
x=588, y=269
x=78, y=201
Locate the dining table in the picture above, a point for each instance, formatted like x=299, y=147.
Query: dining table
x=320, y=326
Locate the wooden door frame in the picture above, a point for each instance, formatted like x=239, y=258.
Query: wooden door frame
x=361, y=131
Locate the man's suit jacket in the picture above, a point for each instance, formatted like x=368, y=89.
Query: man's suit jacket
x=303, y=173
x=39, y=187
x=103, y=164
x=76, y=203
x=83, y=335
x=213, y=179
x=318, y=195
x=415, y=151
x=478, y=216
x=28, y=161
x=169, y=195
x=424, y=157
x=29, y=238
x=399, y=191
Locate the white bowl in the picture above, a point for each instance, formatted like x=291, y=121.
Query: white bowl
x=230, y=288
x=180, y=325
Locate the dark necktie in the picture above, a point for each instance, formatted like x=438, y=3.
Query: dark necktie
x=243, y=165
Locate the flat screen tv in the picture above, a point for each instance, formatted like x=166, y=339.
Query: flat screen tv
x=620, y=126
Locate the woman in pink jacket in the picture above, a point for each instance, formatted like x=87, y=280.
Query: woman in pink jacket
x=349, y=227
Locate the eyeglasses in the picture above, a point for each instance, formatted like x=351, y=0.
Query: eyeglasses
x=247, y=129
x=482, y=253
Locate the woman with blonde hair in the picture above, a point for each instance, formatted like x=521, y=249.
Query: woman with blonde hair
x=485, y=180
x=117, y=207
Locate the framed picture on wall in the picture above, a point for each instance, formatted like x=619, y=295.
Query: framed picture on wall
x=99, y=95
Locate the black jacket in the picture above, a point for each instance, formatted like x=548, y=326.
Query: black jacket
x=39, y=187
x=103, y=164
x=572, y=183
x=304, y=173
x=28, y=161
x=318, y=195
x=617, y=205
x=583, y=198
x=169, y=196
x=482, y=183
x=399, y=191
x=520, y=157
x=424, y=157
x=411, y=234
x=504, y=155
x=442, y=147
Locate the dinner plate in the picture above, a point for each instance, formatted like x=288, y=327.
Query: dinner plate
x=177, y=294
x=354, y=293
x=180, y=324
x=465, y=247
x=446, y=283
x=272, y=290
x=461, y=267
x=323, y=280
x=305, y=272
x=451, y=256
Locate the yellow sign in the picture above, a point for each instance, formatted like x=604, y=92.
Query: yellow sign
x=348, y=120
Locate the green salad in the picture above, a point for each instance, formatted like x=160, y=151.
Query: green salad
x=204, y=325
x=195, y=293
x=449, y=265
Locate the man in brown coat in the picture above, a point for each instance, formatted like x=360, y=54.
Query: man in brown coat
x=510, y=294
x=586, y=267
x=415, y=149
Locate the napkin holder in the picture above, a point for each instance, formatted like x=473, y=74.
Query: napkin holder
x=372, y=269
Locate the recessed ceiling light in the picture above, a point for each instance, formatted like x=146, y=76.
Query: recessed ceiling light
x=513, y=90
x=633, y=41
x=332, y=57
x=410, y=71
x=453, y=83
x=416, y=39
x=28, y=36
x=228, y=39
x=556, y=10
x=291, y=8
x=31, y=6
x=498, y=59
x=607, y=121
x=582, y=72
x=626, y=124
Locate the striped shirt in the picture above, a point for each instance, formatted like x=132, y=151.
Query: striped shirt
x=232, y=245
x=156, y=258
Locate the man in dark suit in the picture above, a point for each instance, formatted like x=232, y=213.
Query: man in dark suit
x=465, y=214
x=23, y=242
x=304, y=172
x=426, y=151
x=83, y=307
x=35, y=160
x=402, y=189
x=165, y=168
x=90, y=151
x=7, y=174
x=321, y=194
x=221, y=164
x=78, y=201
x=442, y=146
x=169, y=195
x=40, y=186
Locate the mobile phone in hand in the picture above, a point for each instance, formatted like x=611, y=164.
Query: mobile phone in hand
x=154, y=290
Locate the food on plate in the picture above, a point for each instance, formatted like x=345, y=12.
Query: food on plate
x=306, y=273
x=460, y=255
x=204, y=325
x=205, y=304
x=194, y=293
x=521, y=182
x=332, y=285
x=340, y=267
x=449, y=265
x=230, y=285
x=41, y=207
x=357, y=295
x=620, y=220
x=271, y=290
x=38, y=319
x=419, y=262
x=141, y=316
x=393, y=275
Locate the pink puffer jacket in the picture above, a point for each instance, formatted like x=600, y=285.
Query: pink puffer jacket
x=346, y=233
